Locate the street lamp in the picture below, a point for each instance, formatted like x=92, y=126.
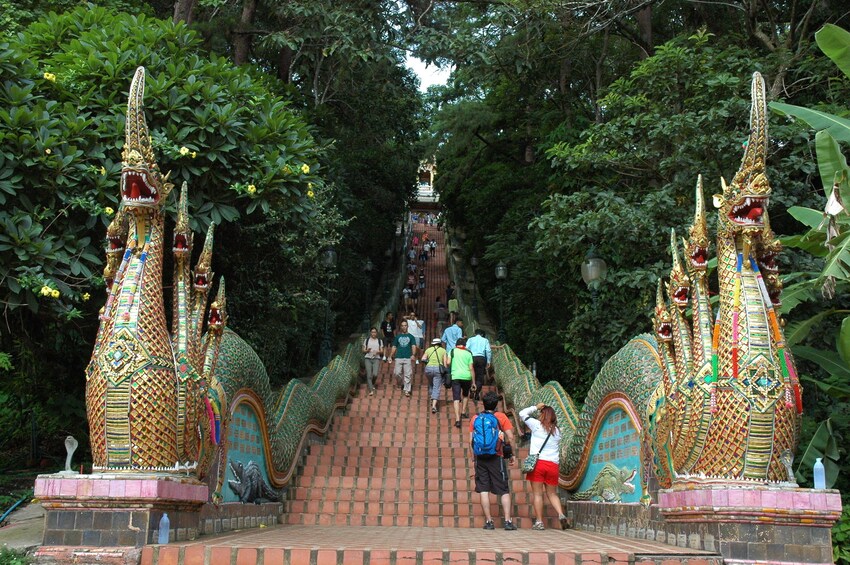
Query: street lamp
x=328, y=261
x=501, y=275
x=593, y=270
x=367, y=268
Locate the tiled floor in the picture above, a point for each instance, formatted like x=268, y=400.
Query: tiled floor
x=451, y=539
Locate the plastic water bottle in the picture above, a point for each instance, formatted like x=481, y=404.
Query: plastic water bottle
x=820, y=474
x=164, y=529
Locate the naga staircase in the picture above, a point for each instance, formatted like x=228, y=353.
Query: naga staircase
x=394, y=484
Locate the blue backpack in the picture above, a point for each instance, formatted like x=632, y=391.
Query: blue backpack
x=485, y=434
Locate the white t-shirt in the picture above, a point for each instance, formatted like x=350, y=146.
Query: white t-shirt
x=538, y=435
x=415, y=328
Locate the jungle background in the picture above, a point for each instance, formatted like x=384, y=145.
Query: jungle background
x=565, y=125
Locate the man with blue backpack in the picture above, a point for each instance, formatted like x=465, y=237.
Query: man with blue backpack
x=490, y=432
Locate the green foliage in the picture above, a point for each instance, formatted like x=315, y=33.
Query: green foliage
x=841, y=538
x=824, y=446
x=9, y=556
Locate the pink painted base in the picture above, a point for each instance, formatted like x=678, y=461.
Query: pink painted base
x=690, y=502
x=125, y=491
x=104, y=555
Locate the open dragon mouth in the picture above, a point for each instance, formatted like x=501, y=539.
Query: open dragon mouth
x=665, y=331
x=201, y=281
x=775, y=296
x=749, y=212
x=699, y=258
x=137, y=190
x=680, y=295
x=115, y=244
x=215, y=322
x=768, y=263
x=181, y=245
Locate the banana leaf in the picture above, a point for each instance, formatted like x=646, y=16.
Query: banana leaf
x=835, y=44
x=825, y=446
x=829, y=361
x=832, y=165
x=839, y=128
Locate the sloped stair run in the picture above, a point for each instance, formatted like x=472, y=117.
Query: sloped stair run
x=394, y=484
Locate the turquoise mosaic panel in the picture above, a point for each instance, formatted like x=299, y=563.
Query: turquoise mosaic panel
x=617, y=442
x=245, y=444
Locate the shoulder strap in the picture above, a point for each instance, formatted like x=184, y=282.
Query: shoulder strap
x=544, y=444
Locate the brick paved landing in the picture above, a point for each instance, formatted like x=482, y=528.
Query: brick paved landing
x=374, y=545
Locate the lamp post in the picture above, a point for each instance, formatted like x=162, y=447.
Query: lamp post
x=367, y=268
x=593, y=270
x=501, y=275
x=328, y=261
x=474, y=262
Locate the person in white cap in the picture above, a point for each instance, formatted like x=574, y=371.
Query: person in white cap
x=434, y=359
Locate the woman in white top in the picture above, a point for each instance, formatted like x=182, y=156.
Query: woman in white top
x=545, y=440
x=372, y=348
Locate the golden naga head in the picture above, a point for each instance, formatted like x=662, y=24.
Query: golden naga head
x=182, y=246
x=217, y=319
x=743, y=202
x=661, y=319
x=696, y=246
x=202, y=276
x=679, y=287
x=116, y=242
x=143, y=187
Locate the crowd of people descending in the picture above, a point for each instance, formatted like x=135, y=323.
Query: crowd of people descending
x=460, y=365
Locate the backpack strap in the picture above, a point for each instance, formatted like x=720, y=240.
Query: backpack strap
x=544, y=444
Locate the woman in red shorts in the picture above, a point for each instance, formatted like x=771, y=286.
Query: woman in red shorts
x=545, y=440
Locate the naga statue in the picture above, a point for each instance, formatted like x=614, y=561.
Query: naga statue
x=706, y=397
x=161, y=402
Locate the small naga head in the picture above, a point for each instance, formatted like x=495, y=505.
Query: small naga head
x=679, y=287
x=774, y=288
x=142, y=185
x=202, y=276
x=743, y=202
x=182, y=246
x=218, y=315
x=769, y=248
x=662, y=320
x=696, y=246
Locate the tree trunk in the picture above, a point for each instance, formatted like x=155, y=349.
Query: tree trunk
x=598, y=82
x=184, y=10
x=241, y=36
x=284, y=64
x=644, y=21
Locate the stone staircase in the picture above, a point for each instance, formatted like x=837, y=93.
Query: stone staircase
x=393, y=484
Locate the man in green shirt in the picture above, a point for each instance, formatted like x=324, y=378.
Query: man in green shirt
x=460, y=362
x=404, y=348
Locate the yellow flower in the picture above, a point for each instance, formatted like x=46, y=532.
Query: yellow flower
x=108, y=211
x=103, y=170
x=46, y=290
x=55, y=293
x=184, y=150
x=50, y=76
x=86, y=296
x=305, y=168
x=194, y=154
x=252, y=189
x=310, y=185
x=287, y=170
x=48, y=151
x=310, y=194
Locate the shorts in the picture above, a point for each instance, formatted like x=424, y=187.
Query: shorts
x=460, y=387
x=491, y=475
x=544, y=472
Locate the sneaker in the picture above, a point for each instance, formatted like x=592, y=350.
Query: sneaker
x=457, y=424
x=565, y=523
x=407, y=394
x=538, y=526
x=509, y=525
x=371, y=393
x=465, y=415
x=433, y=410
x=488, y=525
x=385, y=358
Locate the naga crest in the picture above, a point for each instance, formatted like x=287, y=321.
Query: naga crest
x=679, y=287
x=662, y=320
x=743, y=202
x=696, y=246
x=142, y=184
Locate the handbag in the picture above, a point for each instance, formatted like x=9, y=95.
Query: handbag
x=446, y=373
x=530, y=462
